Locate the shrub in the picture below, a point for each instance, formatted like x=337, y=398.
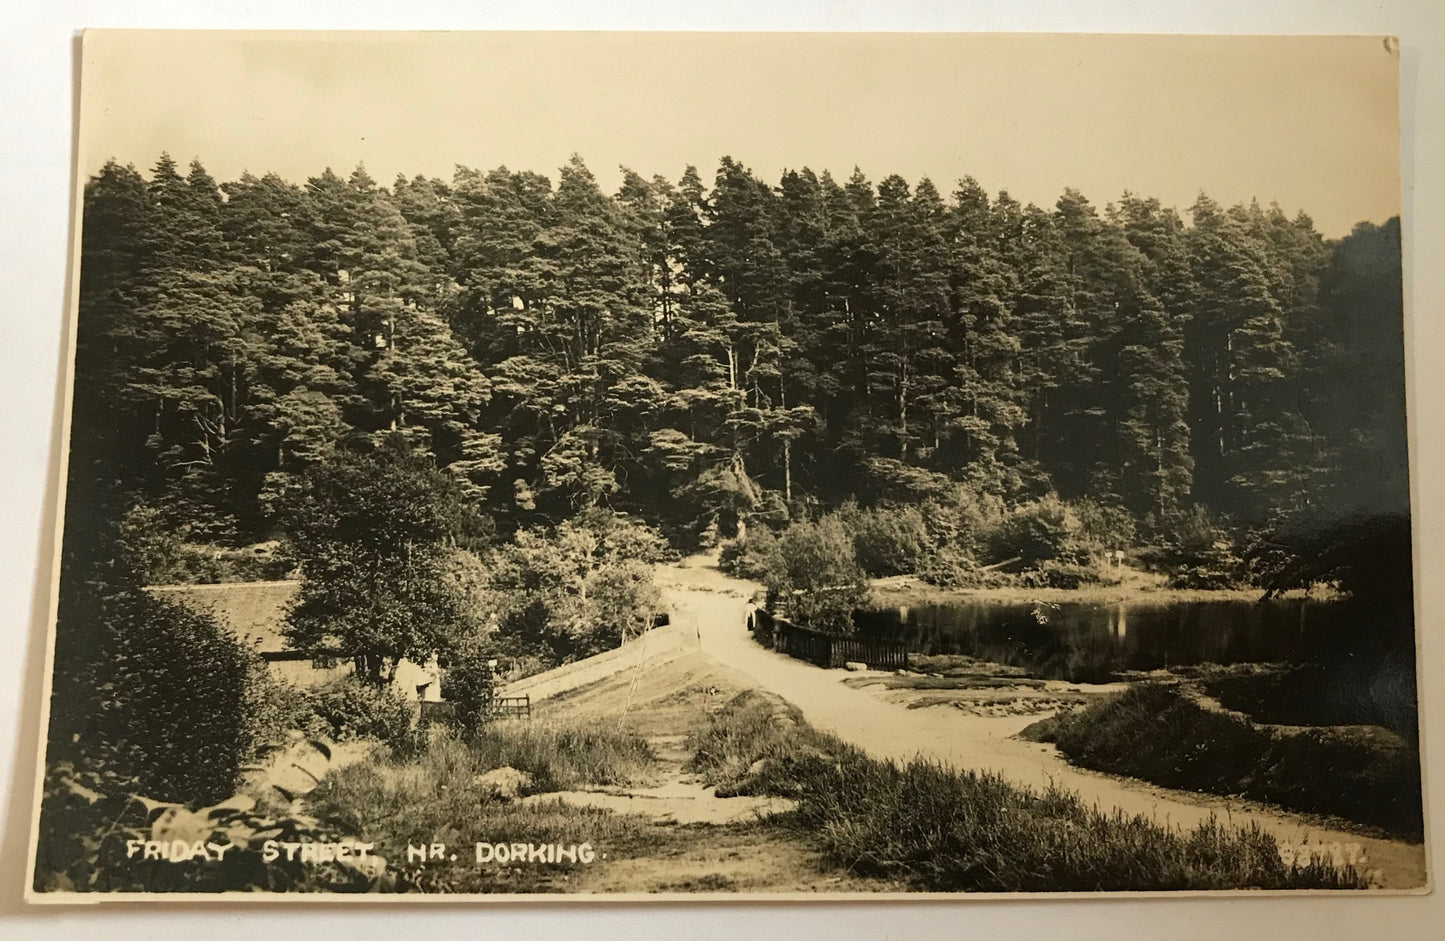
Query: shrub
x=276, y=708
x=579, y=589
x=963, y=518
x=151, y=548
x=817, y=578
x=156, y=695
x=148, y=547
x=356, y=710
x=1036, y=532
x=950, y=567
x=1103, y=528
x=887, y=540
x=467, y=684
x=1058, y=574
x=1194, y=551
x=751, y=557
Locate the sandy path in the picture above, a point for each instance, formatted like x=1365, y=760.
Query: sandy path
x=715, y=607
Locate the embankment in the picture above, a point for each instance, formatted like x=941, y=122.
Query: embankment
x=659, y=645
x=1164, y=734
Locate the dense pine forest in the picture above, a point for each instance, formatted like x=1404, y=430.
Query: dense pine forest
x=701, y=355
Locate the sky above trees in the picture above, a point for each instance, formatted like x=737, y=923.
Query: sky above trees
x=1310, y=123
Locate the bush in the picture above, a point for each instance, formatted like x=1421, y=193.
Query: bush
x=355, y=710
x=962, y=519
x=467, y=684
x=1057, y=574
x=156, y=553
x=1036, y=532
x=275, y=709
x=887, y=540
x=154, y=694
x=1194, y=551
x=1104, y=529
x=751, y=557
x=579, y=589
x=817, y=579
x=950, y=567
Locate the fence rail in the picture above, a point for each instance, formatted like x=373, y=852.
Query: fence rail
x=502, y=707
x=824, y=649
x=512, y=707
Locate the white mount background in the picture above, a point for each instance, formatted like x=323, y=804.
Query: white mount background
x=37, y=43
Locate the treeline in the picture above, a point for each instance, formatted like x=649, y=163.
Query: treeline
x=475, y=413
x=746, y=351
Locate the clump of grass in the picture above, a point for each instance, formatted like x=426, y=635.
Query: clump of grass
x=939, y=829
x=944, y=830
x=758, y=744
x=1158, y=733
x=431, y=798
x=441, y=776
x=560, y=756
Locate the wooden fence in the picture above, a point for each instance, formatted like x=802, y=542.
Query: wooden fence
x=824, y=649
x=512, y=707
x=502, y=707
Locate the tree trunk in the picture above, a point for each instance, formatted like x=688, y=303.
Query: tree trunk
x=788, y=470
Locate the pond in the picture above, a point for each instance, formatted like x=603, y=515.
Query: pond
x=1088, y=642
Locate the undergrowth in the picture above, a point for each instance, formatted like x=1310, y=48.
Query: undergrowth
x=433, y=798
x=944, y=830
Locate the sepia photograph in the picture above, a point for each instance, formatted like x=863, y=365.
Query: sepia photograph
x=666, y=466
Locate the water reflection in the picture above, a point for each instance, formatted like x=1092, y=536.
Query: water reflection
x=1084, y=642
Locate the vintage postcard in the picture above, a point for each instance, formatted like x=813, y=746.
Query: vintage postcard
x=642, y=466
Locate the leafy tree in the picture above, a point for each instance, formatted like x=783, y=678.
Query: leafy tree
x=817, y=580
x=716, y=356
x=374, y=534
x=581, y=588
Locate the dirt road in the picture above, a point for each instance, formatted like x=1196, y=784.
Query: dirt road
x=715, y=607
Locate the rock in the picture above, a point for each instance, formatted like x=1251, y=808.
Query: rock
x=855, y=666
x=503, y=783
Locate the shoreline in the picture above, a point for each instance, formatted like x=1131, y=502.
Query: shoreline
x=911, y=590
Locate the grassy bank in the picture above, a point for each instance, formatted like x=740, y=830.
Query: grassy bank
x=433, y=798
x=938, y=829
x=1161, y=734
